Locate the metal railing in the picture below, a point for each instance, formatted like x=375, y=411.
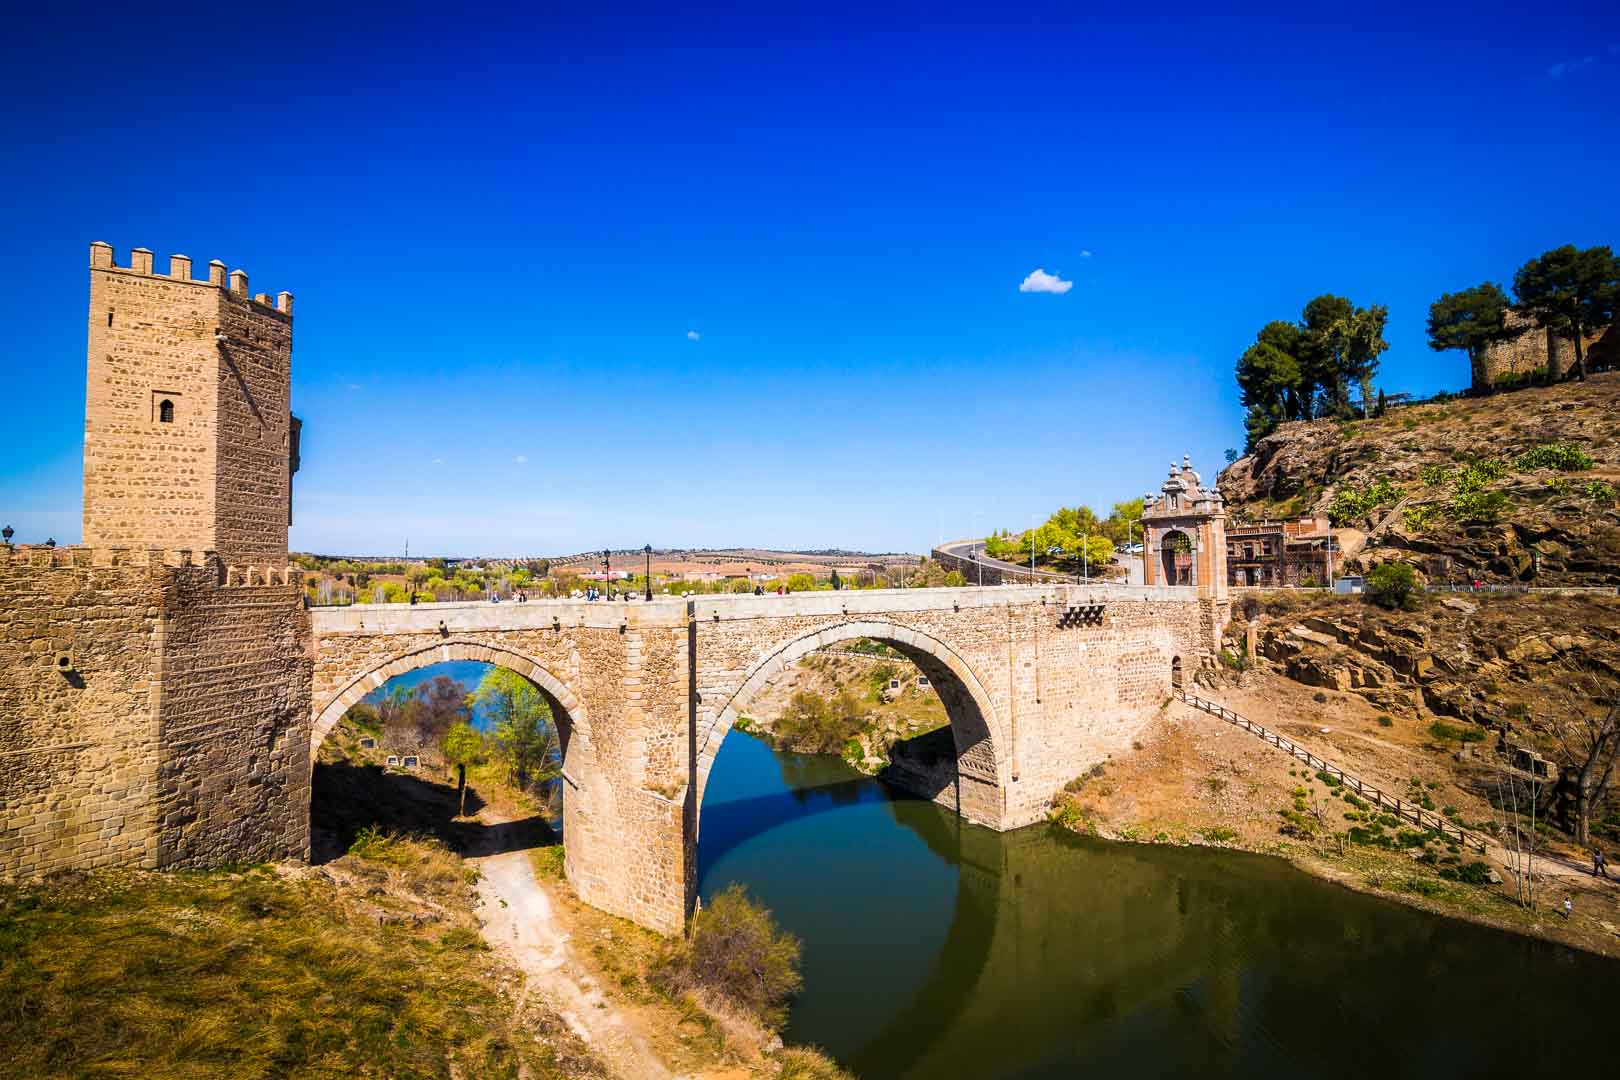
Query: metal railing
x=1403, y=809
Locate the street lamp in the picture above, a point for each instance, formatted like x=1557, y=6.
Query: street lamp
x=607, y=572
x=8, y=532
x=51, y=542
x=648, y=552
x=977, y=547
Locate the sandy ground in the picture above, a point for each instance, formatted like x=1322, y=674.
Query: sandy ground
x=521, y=924
x=1193, y=778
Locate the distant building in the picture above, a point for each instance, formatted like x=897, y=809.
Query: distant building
x=1531, y=352
x=1279, y=553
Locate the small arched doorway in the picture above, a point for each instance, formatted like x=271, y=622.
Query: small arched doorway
x=1176, y=553
x=1175, y=673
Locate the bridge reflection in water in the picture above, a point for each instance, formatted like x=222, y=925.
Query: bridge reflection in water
x=939, y=949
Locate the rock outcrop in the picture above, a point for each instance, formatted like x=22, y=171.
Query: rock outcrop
x=1547, y=527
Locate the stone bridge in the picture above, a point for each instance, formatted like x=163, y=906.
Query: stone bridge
x=1039, y=683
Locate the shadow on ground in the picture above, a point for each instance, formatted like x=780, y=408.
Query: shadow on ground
x=347, y=797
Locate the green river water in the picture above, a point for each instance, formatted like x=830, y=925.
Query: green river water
x=938, y=949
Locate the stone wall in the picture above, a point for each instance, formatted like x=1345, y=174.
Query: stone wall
x=78, y=747
x=255, y=417
x=216, y=475
x=151, y=340
x=1532, y=350
x=149, y=715
x=234, y=715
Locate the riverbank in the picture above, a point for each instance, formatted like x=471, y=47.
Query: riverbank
x=1193, y=779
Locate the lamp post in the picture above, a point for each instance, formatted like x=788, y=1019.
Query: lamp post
x=51, y=542
x=978, y=548
x=8, y=532
x=1085, y=551
x=607, y=572
x=647, y=551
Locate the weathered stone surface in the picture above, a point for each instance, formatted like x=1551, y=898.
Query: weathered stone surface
x=645, y=694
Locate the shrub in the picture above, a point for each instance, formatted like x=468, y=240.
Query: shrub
x=816, y=725
x=1385, y=720
x=1351, y=504
x=1434, y=475
x=1392, y=585
x=1219, y=835
x=1560, y=456
x=1420, y=518
x=1479, y=506
x=1600, y=491
x=1474, y=873
x=1446, y=732
x=1319, y=697
x=737, y=951
x=548, y=862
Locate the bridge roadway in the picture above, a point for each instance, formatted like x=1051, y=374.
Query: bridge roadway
x=1039, y=682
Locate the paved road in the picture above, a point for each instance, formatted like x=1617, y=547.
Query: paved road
x=973, y=551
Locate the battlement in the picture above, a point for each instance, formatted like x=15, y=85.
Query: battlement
x=79, y=556
x=234, y=281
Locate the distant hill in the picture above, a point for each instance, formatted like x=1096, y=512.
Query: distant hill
x=1516, y=486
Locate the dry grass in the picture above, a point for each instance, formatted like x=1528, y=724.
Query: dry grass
x=372, y=966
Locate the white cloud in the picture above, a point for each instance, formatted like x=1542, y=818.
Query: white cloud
x=354, y=386
x=1085, y=254
x=438, y=461
x=1040, y=281
x=521, y=459
x=1568, y=67
x=692, y=335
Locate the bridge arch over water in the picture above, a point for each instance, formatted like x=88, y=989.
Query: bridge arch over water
x=1039, y=682
x=566, y=708
x=976, y=730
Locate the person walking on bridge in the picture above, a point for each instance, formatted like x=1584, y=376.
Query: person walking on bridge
x=1600, y=864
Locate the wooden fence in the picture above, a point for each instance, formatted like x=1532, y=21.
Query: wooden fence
x=1401, y=808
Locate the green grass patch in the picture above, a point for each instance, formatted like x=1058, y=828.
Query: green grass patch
x=137, y=974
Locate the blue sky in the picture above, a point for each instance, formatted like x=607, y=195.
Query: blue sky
x=571, y=280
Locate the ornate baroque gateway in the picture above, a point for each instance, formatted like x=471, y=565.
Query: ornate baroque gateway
x=163, y=689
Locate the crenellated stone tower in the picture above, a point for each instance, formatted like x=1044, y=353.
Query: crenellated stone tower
x=189, y=437
x=155, y=681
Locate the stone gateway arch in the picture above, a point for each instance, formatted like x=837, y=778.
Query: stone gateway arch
x=163, y=688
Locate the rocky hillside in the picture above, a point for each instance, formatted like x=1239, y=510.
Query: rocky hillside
x=1514, y=487
x=1487, y=659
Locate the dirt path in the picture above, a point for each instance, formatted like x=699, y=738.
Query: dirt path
x=520, y=923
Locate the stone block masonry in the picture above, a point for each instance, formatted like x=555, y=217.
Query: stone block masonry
x=188, y=432
x=152, y=716
x=644, y=695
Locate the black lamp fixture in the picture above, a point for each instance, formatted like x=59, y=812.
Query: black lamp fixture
x=51, y=542
x=607, y=571
x=8, y=532
x=648, y=552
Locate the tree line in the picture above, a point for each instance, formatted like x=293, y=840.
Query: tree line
x=1072, y=538
x=1305, y=369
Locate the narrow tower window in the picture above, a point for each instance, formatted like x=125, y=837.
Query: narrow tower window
x=109, y=316
x=165, y=411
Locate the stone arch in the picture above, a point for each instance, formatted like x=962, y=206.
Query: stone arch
x=1175, y=674
x=566, y=707
x=1176, y=554
x=982, y=742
